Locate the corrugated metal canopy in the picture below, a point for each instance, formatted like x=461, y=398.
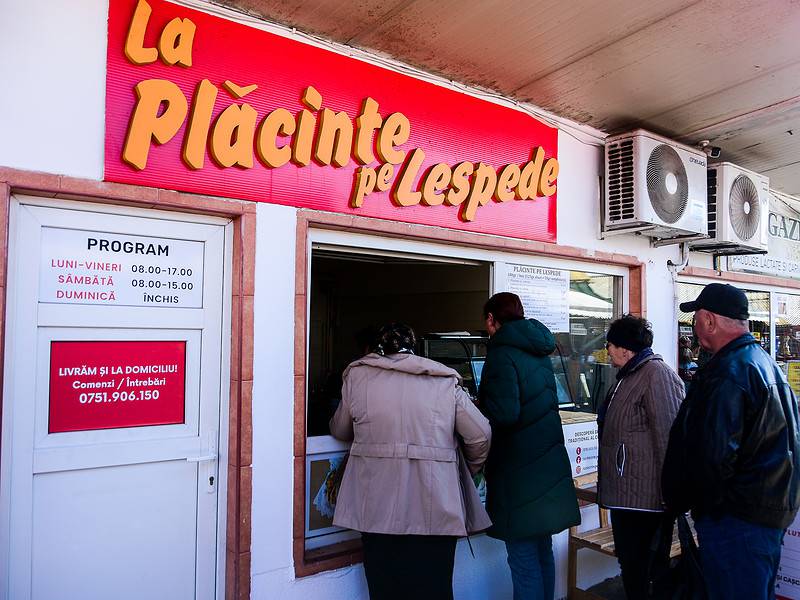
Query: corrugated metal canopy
x=727, y=71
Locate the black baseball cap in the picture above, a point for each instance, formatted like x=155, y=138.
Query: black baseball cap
x=721, y=299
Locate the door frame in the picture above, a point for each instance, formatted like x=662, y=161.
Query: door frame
x=235, y=451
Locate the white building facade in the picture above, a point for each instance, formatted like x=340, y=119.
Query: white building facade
x=236, y=294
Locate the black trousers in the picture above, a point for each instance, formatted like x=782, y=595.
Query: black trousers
x=634, y=532
x=403, y=567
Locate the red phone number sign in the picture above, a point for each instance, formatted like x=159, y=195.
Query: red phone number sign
x=110, y=384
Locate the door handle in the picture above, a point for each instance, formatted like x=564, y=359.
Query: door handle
x=198, y=459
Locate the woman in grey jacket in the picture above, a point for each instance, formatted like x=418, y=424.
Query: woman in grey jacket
x=406, y=487
x=634, y=423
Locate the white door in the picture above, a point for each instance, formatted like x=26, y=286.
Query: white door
x=114, y=356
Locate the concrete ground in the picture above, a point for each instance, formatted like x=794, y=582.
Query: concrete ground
x=610, y=589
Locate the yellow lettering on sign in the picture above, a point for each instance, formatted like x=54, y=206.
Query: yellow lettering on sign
x=232, y=136
x=306, y=122
x=196, y=136
x=547, y=181
x=175, y=43
x=481, y=192
x=328, y=137
x=366, y=123
x=238, y=91
x=529, y=178
x=435, y=181
x=146, y=122
x=402, y=194
x=365, y=179
x=134, y=43
x=506, y=182
x=334, y=139
x=459, y=184
x=395, y=131
x=385, y=175
x=279, y=122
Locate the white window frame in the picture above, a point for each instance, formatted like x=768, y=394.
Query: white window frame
x=423, y=250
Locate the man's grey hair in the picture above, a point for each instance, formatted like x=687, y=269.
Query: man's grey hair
x=729, y=323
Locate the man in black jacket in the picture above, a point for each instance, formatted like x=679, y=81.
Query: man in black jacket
x=734, y=453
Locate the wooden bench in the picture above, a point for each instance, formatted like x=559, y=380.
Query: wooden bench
x=600, y=539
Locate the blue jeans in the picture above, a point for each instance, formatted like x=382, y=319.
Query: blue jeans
x=739, y=559
x=533, y=571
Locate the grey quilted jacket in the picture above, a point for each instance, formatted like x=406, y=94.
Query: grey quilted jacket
x=641, y=408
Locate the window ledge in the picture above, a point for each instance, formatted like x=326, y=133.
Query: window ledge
x=336, y=556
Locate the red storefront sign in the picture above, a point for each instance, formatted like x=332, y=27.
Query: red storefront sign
x=200, y=104
x=108, y=384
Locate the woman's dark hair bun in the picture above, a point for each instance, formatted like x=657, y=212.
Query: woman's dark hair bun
x=393, y=338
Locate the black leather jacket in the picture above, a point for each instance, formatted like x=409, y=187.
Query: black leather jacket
x=734, y=447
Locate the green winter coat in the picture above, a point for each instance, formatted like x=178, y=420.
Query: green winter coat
x=528, y=474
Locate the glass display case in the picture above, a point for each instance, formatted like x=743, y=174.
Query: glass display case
x=463, y=351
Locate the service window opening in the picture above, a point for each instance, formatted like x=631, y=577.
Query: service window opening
x=353, y=291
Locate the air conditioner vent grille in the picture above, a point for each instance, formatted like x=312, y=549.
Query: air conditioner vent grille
x=667, y=183
x=620, y=181
x=744, y=207
x=712, y=203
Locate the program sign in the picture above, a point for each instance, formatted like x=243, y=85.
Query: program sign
x=92, y=267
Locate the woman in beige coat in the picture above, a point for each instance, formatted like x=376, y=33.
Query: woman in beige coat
x=402, y=487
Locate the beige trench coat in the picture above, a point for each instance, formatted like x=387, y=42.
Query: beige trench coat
x=402, y=413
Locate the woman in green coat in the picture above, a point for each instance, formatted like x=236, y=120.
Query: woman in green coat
x=530, y=494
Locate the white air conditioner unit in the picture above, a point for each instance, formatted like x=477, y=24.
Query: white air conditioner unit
x=654, y=186
x=738, y=210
